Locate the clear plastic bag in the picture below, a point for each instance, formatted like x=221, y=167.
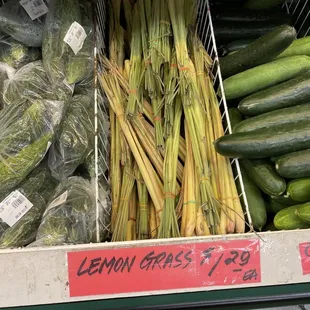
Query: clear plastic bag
x=16, y=54
x=71, y=215
x=5, y=72
x=75, y=139
x=32, y=82
x=15, y=22
x=37, y=188
x=61, y=15
x=27, y=129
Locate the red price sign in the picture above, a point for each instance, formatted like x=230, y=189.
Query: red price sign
x=166, y=267
x=304, y=249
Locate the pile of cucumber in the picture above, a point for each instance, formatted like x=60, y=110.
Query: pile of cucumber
x=269, y=78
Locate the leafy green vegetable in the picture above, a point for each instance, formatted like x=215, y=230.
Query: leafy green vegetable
x=37, y=188
x=16, y=54
x=75, y=139
x=15, y=22
x=71, y=215
x=61, y=15
x=26, y=132
x=6, y=72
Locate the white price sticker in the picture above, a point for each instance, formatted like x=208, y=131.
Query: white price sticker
x=59, y=200
x=75, y=37
x=34, y=8
x=14, y=207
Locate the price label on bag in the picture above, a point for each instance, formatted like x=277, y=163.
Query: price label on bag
x=304, y=250
x=167, y=267
x=14, y=207
x=34, y=8
x=75, y=37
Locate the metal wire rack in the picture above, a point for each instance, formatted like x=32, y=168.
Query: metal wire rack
x=299, y=9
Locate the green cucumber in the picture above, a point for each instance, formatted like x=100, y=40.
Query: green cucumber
x=299, y=189
x=256, y=202
x=292, y=115
x=284, y=200
x=303, y=212
x=258, y=52
x=263, y=76
x=235, y=117
x=265, y=143
x=274, y=207
x=290, y=93
x=287, y=219
x=264, y=175
x=298, y=47
x=225, y=33
x=243, y=15
x=262, y=4
x=294, y=165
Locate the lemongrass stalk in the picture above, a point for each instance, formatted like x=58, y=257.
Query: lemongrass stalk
x=109, y=84
x=153, y=221
x=165, y=32
x=126, y=71
x=190, y=203
x=169, y=225
x=128, y=12
x=120, y=231
x=135, y=100
x=184, y=206
x=131, y=226
x=143, y=231
x=115, y=167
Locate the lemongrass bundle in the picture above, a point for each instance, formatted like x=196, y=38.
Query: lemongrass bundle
x=132, y=216
x=135, y=100
x=193, y=112
x=169, y=225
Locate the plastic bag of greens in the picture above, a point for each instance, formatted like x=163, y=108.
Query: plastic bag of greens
x=27, y=129
x=83, y=87
x=15, y=22
x=80, y=65
x=75, y=139
x=16, y=54
x=62, y=14
x=6, y=72
x=32, y=82
x=71, y=215
x=37, y=188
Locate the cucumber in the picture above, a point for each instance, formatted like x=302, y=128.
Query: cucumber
x=235, y=46
x=258, y=52
x=263, y=76
x=303, y=212
x=262, y=4
x=256, y=202
x=224, y=32
x=292, y=115
x=298, y=47
x=294, y=165
x=235, y=117
x=290, y=93
x=274, y=207
x=287, y=219
x=244, y=15
x=264, y=143
x=284, y=200
x=264, y=175
x=299, y=189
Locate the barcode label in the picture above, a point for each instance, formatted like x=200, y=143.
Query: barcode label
x=14, y=207
x=75, y=37
x=34, y=8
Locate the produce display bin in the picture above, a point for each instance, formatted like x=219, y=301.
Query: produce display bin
x=278, y=262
